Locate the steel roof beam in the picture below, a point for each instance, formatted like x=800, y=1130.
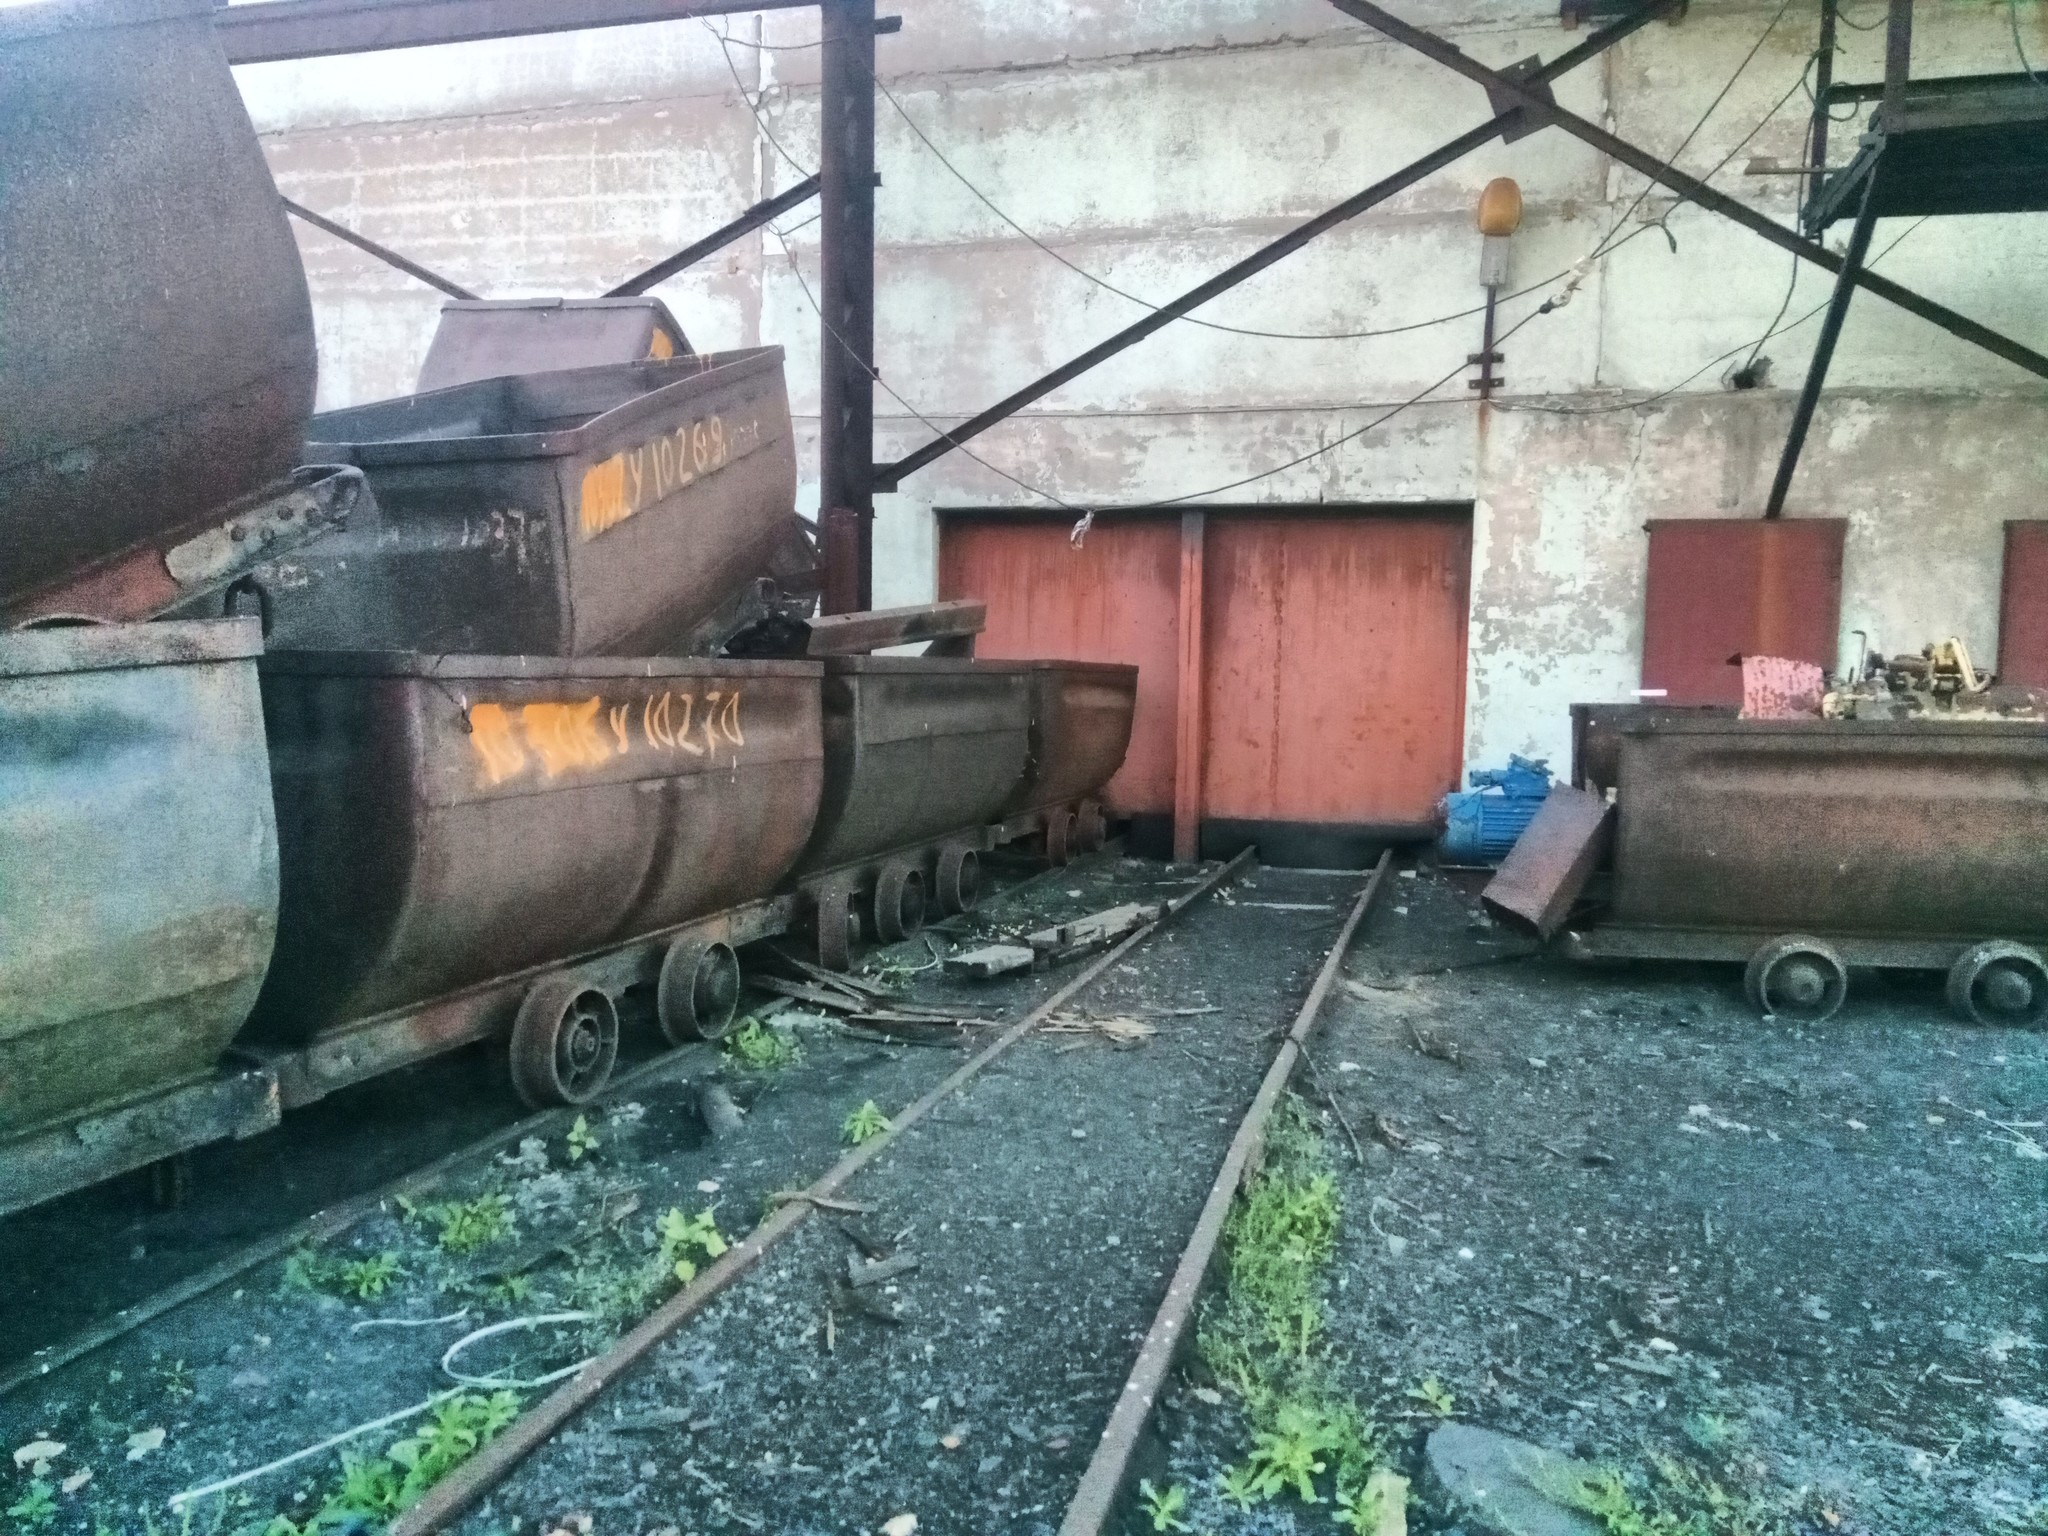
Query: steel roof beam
x=272, y=30
x=1538, y=105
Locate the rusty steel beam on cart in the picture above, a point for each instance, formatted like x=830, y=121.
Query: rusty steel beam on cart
x=1540, y=107
x=309, y=29
x=1109, y=1468
x=889, y=476
x=383, y=253
x=717, y=240
x=454, y=1494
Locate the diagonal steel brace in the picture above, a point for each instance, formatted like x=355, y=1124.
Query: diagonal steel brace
x=1534, y=103
x=1508, y=123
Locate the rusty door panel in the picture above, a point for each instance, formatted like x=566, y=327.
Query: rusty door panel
x=1116, y=598
x=1721, y=587
x=1335, y=666
x=2023, y=606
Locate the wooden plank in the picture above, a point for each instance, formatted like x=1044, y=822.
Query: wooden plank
x=855, y=634
x=990, y=960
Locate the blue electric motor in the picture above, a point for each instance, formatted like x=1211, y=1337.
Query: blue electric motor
x=1482, y=823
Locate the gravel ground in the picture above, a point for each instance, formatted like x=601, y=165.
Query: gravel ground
x=260, y=1370
x=1045, y=1205
x=1616, y=1214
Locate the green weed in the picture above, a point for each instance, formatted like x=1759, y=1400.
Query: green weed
x=308, y=1269
x=378, y=1488
x=1676, y=1500
x=754, y=1044
x=685, y=1239
x=467, y=1225
x=1263, y=1336
x=1163, y=1505
x=175, y=1379
x=36, y=1509
x=582, y=1140
x=1380, y=1504
x=1434, y=1396
x=865, y=1124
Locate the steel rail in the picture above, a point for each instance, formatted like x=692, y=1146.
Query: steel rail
x=888, y=476
x=1500, y=86
x=462, y=1488
x=1095, y=1499
x=323, y=1226
x=383, y=253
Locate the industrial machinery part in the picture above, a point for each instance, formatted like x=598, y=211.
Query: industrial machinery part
x=899, y=901
x=1999, y=983
x=1482, y=823
x=698, y=993
x=159, y=340
x=194, y=573
x=493, y=338
x=140, y=900
x=565, y=1039
x=835, y=926
x=1797, y=978
x=450, y=821
x=959, y=879
x=585, y=512
x=1059, y=837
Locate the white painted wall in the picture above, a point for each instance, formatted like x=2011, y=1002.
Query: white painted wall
x=1150, y=145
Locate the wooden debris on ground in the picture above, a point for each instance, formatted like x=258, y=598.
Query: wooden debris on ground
x=990, y=960
x=1096, y=929
x=1119, y=1029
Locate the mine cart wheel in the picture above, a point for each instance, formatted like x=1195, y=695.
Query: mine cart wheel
x=1796, y=978
x=1059, y=836
x=1999, y=982
x=564, y=1042
x=836, y=929
x=170, y=1180
x=1091, y=827
x=699, y=990
x=899, y=902
x=959, y=880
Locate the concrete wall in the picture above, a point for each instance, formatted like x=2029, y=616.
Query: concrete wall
x=1149, y=145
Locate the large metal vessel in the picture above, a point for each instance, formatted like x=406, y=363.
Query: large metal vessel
x=915, y=748
x=1080, y=729
x=1805, y=847
x=138, y=890
x=580, y=512
x=447, y=821
x=157, y=336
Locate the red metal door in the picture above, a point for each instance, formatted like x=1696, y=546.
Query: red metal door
x=1724, y=587
x=2023, y=606
x=1328, y=709
x=1116, y=598
x=1334, y=675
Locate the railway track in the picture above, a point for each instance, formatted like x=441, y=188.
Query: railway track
x=1023, y=1137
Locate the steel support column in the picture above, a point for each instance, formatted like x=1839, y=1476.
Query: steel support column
x=846, y=394
x=888, y=476
x=1534, y=103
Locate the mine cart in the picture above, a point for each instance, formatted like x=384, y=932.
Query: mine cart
x=1804, y=847
x=1081, y=716
x=139, y=898
x=603, y=511
x=482, y=844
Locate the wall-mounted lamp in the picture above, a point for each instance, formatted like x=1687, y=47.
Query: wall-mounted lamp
x=1500, y=215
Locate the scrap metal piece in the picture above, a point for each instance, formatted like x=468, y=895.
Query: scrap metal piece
x=1549, y=865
